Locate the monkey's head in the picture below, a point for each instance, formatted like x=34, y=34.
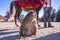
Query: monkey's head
x=32, y=14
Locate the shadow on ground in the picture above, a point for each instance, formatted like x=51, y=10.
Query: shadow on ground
x=54, y=36
x=3, y=30
x=9, y=37
x=6, y=33
x=15, y=37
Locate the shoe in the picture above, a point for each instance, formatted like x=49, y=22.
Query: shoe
x=50, y=26
x=45, y=26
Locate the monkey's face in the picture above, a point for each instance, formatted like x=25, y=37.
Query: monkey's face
x=32, y=14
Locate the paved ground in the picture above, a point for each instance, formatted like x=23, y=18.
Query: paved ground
x=8, y=31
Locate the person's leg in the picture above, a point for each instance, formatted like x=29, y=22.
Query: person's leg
x=49, y=18
x=45, y=18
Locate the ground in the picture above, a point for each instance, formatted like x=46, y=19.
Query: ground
x=8, y=31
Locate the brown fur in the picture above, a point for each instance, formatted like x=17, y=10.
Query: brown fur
x=29, y=23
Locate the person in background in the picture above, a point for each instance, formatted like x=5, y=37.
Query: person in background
x=47, y=13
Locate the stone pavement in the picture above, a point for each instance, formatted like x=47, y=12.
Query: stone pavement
x=8, y=31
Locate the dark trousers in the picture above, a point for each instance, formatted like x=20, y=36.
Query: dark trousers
x=47, y=16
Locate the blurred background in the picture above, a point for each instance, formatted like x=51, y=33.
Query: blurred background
x=5, y=7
